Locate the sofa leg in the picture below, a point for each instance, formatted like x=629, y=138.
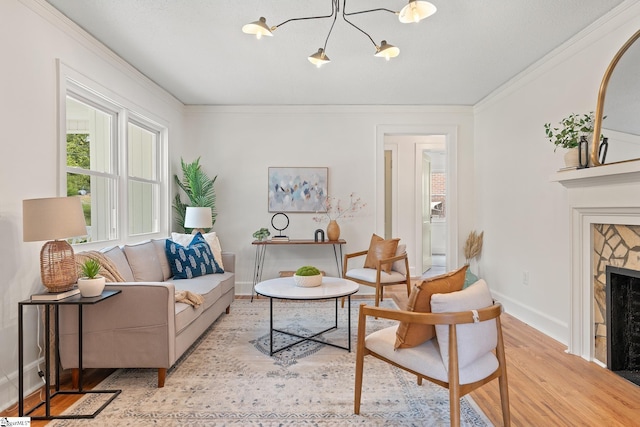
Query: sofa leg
x=228, y=310
x=75, y=378
x=162, y=374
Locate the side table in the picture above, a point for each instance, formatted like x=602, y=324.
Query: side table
x=76, y=300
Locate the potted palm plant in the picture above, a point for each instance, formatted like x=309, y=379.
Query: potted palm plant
x=198, y=187
x=91, y=284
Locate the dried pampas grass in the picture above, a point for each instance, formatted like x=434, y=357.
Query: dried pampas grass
x=473, y=246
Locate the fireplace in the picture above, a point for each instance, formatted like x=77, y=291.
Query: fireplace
x=605, y=199
x=623, y=322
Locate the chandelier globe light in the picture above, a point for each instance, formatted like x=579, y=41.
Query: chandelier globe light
x=414, y=11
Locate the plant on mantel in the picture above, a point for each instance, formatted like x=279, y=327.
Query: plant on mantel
x=571, y=129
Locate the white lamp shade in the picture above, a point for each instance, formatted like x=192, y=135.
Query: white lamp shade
x=52, y=218
x=196, y=217
x=416, y=11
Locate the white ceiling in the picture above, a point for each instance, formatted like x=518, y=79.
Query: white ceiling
x=196, y=50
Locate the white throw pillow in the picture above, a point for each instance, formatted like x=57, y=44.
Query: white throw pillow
x=399, y=266
x=474, y=339
x=211, y=239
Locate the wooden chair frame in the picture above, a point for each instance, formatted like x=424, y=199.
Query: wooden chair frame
x=456, y=390
x=380, y=264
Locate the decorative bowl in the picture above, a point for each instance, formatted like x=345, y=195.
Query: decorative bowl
x=308, y=281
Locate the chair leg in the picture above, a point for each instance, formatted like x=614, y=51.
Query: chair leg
x=454, y=406
x=360, y=352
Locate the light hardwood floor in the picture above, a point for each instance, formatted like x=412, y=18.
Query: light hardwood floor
x=547, y=387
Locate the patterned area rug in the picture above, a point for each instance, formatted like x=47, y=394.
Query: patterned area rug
x=228, y=378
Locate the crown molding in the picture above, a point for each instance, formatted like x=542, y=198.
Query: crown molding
x=327, y=109
x=616, y=18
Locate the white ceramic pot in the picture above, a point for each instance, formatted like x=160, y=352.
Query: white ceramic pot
x=571, y=159
x=91, y=287
x=308, y=281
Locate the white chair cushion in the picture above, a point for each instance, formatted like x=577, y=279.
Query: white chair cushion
x=369, y=275
x=426, y=359
x=474, y=339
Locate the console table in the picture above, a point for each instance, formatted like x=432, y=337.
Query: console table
x=80, y=302
x=262, y=245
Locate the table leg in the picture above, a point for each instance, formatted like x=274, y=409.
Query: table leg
x=349, y=321
x=270, y=326
x=258, y=264
x=20, y=364
x=47, y=363
x=337, y=253
x=80, y=348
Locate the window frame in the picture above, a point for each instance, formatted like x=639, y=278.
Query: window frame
x=71, y=83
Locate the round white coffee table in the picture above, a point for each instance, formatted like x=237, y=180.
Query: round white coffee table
x=286, y=289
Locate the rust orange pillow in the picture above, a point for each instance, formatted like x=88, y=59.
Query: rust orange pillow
x=380, y=248
x=413, y=334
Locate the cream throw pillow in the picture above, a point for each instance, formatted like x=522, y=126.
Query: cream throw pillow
x=474, y=339
x=414, y=334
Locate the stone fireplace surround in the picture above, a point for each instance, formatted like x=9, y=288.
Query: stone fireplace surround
x=607, y=195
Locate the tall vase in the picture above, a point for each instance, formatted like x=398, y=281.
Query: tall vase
x=333, y=230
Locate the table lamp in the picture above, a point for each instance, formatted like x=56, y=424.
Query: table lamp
x=198, y=219
x=52, y=219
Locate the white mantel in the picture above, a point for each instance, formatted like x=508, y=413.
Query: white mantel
x=608, y=194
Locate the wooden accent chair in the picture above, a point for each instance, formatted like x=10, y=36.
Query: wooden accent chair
x=378, y=277
x=474, y=356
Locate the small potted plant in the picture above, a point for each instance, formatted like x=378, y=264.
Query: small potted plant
x=261, y=234
x=307, y=277
x=569, y=134
x=91, y=284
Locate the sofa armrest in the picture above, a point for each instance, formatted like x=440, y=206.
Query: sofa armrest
x=229, y=261
x=134, y=329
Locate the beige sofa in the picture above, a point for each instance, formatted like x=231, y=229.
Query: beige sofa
x=144, y=326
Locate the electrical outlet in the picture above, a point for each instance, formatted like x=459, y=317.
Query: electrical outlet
x=525, y=278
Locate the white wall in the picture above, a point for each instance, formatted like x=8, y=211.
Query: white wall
x=525, y=217
x=32, y=37
x=239, y=144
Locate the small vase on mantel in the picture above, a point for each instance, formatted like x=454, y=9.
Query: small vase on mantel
x=333, y=230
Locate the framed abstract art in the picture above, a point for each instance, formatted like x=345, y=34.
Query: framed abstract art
x=297, y=189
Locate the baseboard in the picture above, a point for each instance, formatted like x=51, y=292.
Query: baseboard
x=544, y=323
x=9, y=385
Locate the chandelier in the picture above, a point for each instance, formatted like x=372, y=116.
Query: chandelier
x=414, y=11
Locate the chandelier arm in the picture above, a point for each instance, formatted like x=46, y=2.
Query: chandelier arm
x=336, y=6
x=333, y=13
x=344, y=16
x=371, y=10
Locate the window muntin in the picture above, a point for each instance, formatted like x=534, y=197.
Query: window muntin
x=116, y=172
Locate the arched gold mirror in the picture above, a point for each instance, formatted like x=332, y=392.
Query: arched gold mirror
x=621, y=85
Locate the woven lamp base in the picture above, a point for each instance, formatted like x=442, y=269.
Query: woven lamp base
x=58, y=266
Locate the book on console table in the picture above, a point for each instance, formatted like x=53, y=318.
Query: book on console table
x=55, y=296
x=280, y=239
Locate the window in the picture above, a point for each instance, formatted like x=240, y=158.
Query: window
x=113, y=162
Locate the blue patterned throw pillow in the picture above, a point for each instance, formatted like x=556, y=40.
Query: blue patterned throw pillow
x=191, y=261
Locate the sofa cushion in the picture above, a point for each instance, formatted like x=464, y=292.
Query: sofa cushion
x=380, y=248
x=159, y=245
x=210, y=286
x=211, y=238
x=144, y=262
x=413, y=334
x=191, y=261
x=119, y=259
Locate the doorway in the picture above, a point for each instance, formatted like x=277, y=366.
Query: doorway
x=415, y=199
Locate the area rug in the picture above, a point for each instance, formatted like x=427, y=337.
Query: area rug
x=229, y=379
